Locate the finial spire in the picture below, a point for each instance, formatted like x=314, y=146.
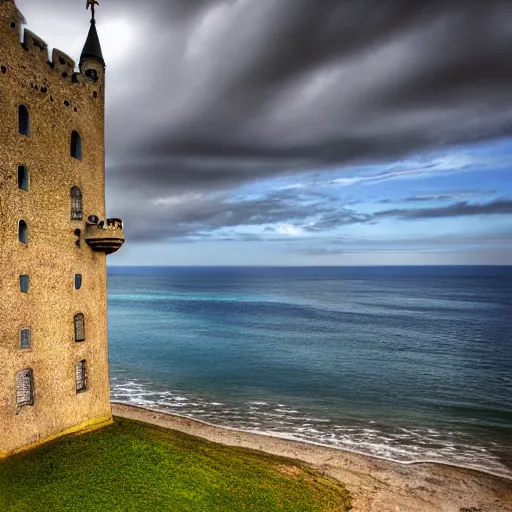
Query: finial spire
x=92, y=4
x=92, y=48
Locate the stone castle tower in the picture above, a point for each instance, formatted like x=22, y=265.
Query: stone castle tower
x=54, y=238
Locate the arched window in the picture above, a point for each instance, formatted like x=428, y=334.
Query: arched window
x=23, y=120
x=23, y=177
x=78, y=281
x=76, y=145
x=22, y=232
x=79, y=327
x=76, y=204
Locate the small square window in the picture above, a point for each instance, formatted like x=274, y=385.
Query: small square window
x=24, y=284
x=78, y=281
x=25, y=338
x=81, y=376
x=25, y=388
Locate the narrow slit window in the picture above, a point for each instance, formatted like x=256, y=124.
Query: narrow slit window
x=76, y=204
x=25, y=388
x=79, y=327
x=23, y=120
x=78, y=234
x=76, y=145
x=22, y=232
x=78, y=281
x=81, y=376
x=25, y=338
x=24, y=284
x=23, y=177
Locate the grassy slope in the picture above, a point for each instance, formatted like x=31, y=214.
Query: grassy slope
x=133, y=466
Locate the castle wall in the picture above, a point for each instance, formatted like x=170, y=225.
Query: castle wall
x=58, y=102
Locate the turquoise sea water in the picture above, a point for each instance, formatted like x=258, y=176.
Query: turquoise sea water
x=407, y=363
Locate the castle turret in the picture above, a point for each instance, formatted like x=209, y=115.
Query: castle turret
x=92, y=64
x=54, y=238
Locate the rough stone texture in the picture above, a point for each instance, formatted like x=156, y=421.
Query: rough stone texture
x=50, y=258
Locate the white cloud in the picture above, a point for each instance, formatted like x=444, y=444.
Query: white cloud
x=289, y=229
x=171, y=201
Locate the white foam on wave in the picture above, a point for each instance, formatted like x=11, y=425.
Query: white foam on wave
x=406, y=445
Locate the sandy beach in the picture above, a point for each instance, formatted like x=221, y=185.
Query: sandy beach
x=376, y=485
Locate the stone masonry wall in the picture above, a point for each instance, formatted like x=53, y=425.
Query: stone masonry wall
x=58, y=103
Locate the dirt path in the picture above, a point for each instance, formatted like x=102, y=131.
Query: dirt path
x=376, y=485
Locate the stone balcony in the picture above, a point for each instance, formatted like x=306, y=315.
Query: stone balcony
x=104, y=235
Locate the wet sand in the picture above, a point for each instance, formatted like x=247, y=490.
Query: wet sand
x=377, y=485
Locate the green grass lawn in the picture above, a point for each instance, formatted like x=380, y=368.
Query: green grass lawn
x=132, y=466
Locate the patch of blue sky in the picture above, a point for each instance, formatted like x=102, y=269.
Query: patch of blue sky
x=431, y=184
x=447, y=167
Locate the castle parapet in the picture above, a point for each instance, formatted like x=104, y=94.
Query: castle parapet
x=104, y=235
x=91, y=67
x=35, y=45
x=62, y=63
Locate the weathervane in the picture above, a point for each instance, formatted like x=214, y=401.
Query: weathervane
x=92, y=4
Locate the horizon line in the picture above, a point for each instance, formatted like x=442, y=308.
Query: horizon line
x=310, y=266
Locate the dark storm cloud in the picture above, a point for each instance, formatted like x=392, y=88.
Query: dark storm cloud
x=499, y=207
x=338, y=218
x=252, y=89
x=196, y=217
x=262, y=87
x=213, y=93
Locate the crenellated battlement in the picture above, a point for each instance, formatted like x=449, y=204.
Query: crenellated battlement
x=34, y=44
x=60, y=63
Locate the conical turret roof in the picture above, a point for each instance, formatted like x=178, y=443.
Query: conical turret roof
x=92, y=47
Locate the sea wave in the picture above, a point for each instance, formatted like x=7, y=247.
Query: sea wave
x=398, y=444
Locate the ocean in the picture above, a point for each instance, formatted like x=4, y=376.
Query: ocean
x=405, y=363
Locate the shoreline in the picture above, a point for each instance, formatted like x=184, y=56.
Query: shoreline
x=290, y=437
x=376, y=483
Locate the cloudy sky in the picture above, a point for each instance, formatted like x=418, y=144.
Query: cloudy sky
x=303, y=132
